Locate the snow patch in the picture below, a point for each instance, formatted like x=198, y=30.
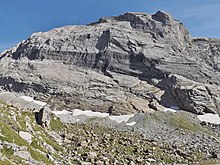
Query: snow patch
x=63, y=112
x=169, y=109
x=77, y=112
x=122, y=118
x=172, y=109
x=209, y=117
x=89, y=113
x=131, y=123
x=39, y=103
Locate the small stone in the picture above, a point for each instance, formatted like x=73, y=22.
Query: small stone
x=67, y=141
x=215, y=155
x=151, y=160
x=23, y=148
x=132, y=163
x=50, y=157
x=92, y=155
x=83, y=143
x=203, y=123
x=23, y=154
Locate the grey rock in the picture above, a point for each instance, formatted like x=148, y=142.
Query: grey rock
x=92, y=155
x=26, y=136
x=43, y=116
x=23, y=154
x=33, y=161
x=106, y=65
x=12, y=98
x=195, y=97
x=55, y=136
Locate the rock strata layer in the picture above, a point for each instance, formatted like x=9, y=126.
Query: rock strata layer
x=121, y=65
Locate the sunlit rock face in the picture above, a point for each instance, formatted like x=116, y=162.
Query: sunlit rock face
x=121, y=65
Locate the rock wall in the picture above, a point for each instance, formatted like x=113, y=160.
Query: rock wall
x=117, y=63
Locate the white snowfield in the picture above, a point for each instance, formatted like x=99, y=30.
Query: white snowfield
x=209, y=117
x=89, y=113
x=77, y=112
x=30, y=99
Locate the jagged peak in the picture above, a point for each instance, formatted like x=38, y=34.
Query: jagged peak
x=140, y=18
x=163, y=17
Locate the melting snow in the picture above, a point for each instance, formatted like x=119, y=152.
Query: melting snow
x=78, y=112
x=63, y=112
x=209, y=117
x=39, y=103
x=121, y=118
x=131, y=123
x=171, y=109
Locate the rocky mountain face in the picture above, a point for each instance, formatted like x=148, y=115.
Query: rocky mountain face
x=118, y=64
x=124, y=64
x=138, y=64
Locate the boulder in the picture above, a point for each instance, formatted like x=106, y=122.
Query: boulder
x=43, y=116
x=26, y=136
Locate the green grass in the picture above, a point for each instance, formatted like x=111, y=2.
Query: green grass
x=209, y=162
x=183, y=121
x=9, y=132
x=8, y=152
x=5, y=162
x=38, y=156
x=155, y=116
x=56, y=125
x=21, y=122
x=53, y=144
x=10, y=135
x=36, y=145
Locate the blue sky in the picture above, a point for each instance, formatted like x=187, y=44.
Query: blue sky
x=20, y=18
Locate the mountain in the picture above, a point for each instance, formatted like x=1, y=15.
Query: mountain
x=132, y=64
x=119, y=64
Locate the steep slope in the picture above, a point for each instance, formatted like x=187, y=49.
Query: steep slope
x=124, y=64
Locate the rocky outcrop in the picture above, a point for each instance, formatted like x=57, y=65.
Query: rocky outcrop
x=119, y=65
x=197, y=97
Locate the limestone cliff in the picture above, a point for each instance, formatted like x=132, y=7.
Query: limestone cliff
x=122, y=64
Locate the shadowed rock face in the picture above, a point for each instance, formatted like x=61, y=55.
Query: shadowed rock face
x=119, y=64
